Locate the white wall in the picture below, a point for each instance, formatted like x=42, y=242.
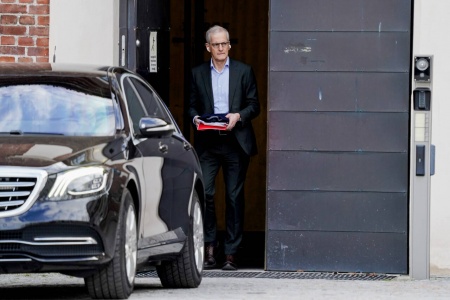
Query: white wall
x=84, y=31
x=431, y=36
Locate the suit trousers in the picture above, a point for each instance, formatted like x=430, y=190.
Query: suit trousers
x=223, y=151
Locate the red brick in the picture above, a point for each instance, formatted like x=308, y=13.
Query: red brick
x=37, y=51
x=8, y=19
x=42, y=59
x=12, y=50
x=8, y=1
x=13, y=30
x=25, y=59
x=8, y=40
x=43, y=20
x=13, y=8
x=26, y=1
x=39, y=9
x=42, y=42
x=7, y=59
x=26, y=20
x=26, y=41
x=39, y=31
x=43, y=2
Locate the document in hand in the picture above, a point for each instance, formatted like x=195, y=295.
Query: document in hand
x=213, y=121
x=211, y=125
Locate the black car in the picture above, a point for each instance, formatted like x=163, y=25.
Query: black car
x=96, y=179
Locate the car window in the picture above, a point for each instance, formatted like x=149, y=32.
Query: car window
x=135, y=106
x=154, y=107
x=142, y=102
x=53, y=109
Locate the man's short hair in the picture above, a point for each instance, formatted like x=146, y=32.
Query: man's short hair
x=216, y=29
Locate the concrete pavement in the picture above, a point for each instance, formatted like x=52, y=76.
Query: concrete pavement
x=56, y=286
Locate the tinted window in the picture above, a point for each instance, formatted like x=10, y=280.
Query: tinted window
x=153, y=106
x=51, y=109
x=135, y=106
x=142, y=102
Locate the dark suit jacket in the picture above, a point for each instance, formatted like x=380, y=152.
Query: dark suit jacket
x=243, y=99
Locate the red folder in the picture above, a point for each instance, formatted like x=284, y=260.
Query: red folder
x=212, y=125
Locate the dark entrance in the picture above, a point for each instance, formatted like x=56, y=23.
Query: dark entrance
x=338, y=136
x=180, y=27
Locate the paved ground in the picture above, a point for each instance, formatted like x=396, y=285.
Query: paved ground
x=55, y=286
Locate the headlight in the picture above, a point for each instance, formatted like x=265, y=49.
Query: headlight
x=79, y=182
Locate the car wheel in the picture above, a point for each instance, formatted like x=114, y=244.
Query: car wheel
x=186, y=270
x=116, y=280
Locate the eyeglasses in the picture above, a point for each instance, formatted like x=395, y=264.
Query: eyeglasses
x=217, y=45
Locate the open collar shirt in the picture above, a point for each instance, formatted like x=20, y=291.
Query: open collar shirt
x=220, y=85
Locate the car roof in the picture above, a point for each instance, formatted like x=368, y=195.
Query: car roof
x=52, y=69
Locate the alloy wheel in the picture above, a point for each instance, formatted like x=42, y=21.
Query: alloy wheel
x=197, y=236
x=130, y=244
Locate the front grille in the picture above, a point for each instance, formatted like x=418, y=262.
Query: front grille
x=9, y=247
x=10, y=235
x=14, y=191
x=19, y=189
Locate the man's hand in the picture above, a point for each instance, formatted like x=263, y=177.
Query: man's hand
x=233, y=119
x=196, y=120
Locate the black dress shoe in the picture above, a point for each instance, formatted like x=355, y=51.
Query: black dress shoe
x=230, y=263
x=210, y=260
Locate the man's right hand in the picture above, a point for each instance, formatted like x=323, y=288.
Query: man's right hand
x=196, y=120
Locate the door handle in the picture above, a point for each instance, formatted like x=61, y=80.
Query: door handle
x=163, y=147
x=187, y=146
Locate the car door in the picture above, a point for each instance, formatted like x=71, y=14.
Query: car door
x=168, y=178
x=150, y=161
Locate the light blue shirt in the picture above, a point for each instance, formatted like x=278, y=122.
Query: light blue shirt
x=220, y=86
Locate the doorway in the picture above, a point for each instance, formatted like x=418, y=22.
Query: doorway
x=247, y=23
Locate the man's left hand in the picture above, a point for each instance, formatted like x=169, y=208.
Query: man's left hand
x=233, y=119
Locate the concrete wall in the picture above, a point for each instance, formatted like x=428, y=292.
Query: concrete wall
x=84, y=31
x=431, y=31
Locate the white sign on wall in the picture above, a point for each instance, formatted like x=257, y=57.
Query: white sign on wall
x=153, y=59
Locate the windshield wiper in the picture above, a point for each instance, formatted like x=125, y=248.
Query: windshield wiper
x=43, y=133
x=20, y=132
x=16, y=132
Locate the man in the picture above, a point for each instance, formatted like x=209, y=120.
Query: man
x=224, y=86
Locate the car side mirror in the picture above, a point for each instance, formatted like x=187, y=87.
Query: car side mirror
x=151, y=127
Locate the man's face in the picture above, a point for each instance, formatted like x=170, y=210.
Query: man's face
x=218, y=46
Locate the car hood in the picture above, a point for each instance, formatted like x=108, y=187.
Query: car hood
x=32, y=151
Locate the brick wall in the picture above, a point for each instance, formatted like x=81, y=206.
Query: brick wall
x=24, y=30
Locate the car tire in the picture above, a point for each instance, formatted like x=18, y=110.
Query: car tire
x=186, y=270
x=116, y=280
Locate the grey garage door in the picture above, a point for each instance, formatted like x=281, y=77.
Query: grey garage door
x=338, y=135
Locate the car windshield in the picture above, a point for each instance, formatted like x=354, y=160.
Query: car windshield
x=50, y=109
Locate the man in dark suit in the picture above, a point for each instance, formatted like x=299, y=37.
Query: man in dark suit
x=224, y=86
